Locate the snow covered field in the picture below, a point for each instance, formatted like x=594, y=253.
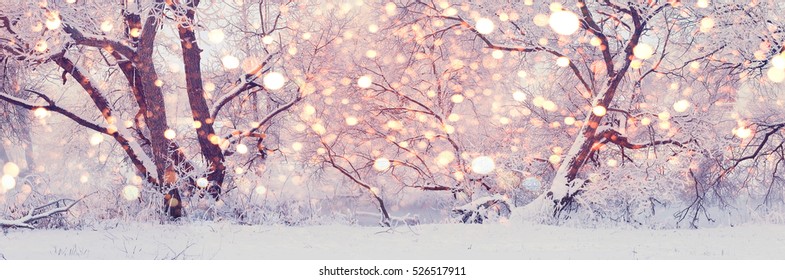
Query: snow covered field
x=435, y=241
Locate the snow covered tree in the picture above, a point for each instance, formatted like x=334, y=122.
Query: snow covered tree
x=632, y=85
x=115, y=60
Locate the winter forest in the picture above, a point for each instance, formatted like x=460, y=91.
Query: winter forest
x=427, y=119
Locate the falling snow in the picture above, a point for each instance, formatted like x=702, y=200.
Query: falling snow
x=346, y=116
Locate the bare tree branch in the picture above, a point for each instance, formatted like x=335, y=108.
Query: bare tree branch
x=41, y=212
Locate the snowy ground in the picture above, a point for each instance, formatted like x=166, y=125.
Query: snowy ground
x=445, y=241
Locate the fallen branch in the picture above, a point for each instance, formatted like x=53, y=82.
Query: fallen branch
x=41, y=212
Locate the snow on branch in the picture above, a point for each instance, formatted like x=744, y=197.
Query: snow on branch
x=41, y=212
x=483, y=208
x=51, y=106
x=266, y=119
x=98, y=42
x=615, y=137
x=491, y=45
x=773, y=129
x=245, y=82
x=136, y=154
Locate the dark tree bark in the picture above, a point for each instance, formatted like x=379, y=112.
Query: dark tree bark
x=199, y=110
x=564, y=186
x=159, y=160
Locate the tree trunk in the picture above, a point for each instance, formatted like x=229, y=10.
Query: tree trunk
x=199, y=110
x=565, y=186
x=173, y=206
x=155, y=115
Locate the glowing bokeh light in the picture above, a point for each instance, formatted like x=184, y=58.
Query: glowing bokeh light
x=394, y=124
x=11, y=169
x=541, y=20
x=562, y=61
x=230, y=62
x=594, y=41
x=319, y=128
x=209, y=86
x=135, y=32
x=743, y=132
x=599, y=111
x=297, y=146
x=484, y=26
x=381, y=164
x=216, y=36
x=170, y=134
x=564, y=22
x=53, y=22
x=202, y=182
x=643, y=51
x=41, y=113
x=274, y=81
x=483, y=165
x=352, y=121
x=364, y=81
x=96, y=139
x=444, y=158
x=8, y=182
x=681, y=106
x=106, y=26
x=390, y=8
x=778, y=61
x=41, y=46
x=665, y=125
x=538, y=101
x=706, y=24
x=131, y=192
x=497, y=54
x=549, y=106
x=664, y=116
x=242, y=149
x=519, y=96
x=775, y=74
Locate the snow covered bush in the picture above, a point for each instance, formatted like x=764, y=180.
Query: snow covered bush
x=483, y=210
